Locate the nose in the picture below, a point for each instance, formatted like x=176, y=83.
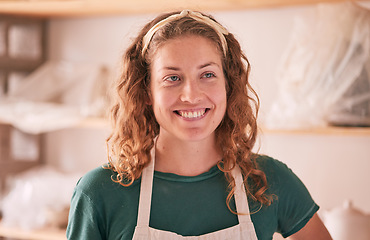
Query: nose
x=191, y=92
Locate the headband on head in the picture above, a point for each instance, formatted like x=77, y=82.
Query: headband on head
x=220, y=30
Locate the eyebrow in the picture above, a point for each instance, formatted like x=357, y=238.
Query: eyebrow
x=208, y=64
x=200, y=67
x=171, y=68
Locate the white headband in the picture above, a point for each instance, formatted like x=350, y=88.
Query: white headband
x=220, y=30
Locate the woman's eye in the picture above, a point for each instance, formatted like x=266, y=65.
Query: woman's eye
x=172, y=78
x=209, y=75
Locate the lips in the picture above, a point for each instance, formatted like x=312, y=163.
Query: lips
x=192, y=114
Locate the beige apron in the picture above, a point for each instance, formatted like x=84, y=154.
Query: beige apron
x=244, y=230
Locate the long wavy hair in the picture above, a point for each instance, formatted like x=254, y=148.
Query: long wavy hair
x=135, y=126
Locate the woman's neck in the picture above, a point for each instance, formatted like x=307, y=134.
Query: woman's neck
x=184, y=157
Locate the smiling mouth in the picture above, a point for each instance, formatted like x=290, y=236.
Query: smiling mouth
x=192, y=114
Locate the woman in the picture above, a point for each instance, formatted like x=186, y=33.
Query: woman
x=181, y=162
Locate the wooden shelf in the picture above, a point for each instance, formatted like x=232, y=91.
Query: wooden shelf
x=12, y=167
x=328, y=130
x=42, y=234
x=73, y=8
x=99, y=123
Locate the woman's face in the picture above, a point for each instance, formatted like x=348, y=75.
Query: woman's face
x=188, y=92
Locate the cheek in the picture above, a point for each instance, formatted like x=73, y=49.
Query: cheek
x=162, y=100
x=222, y=103
x=220, y=96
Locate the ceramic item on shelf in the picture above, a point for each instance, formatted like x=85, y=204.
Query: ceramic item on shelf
x=347, y=222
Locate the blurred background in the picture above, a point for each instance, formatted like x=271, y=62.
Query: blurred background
x=310, y=67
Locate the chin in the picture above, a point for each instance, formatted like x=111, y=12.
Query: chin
x=196, y=137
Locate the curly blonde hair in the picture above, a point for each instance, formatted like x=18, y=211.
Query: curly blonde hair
x=135, y=126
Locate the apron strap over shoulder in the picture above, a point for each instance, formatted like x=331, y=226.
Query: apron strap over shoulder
x=146, y=192
x=240, y=195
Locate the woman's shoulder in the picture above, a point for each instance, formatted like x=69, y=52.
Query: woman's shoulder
x=294, y=203
x=278, y=174
x=99, y=181
x=97, y=176
x=269, y=164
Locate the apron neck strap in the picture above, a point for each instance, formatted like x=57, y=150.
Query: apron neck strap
x=240, y=195
x=146, y=187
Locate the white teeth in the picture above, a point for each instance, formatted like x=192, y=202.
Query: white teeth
x=193, y=114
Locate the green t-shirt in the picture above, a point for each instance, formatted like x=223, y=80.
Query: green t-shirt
x=189, y=206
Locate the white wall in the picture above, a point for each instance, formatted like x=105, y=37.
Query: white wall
x=334, y=167
x=75, y=149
